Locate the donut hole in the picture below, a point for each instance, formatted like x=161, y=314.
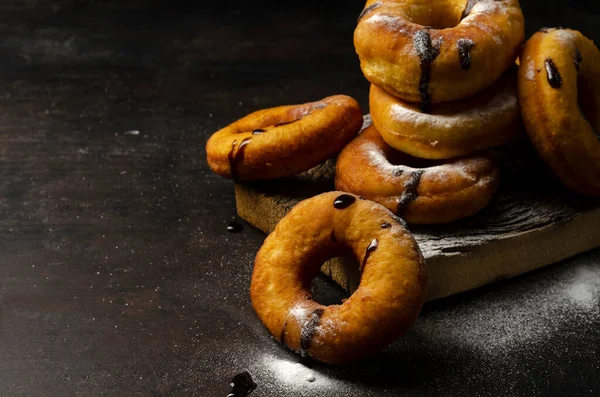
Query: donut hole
x=588, y=96
x=343, y=268
x=326, y=292
x=437, y=14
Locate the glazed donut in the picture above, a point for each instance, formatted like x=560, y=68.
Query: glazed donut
x=425, y=194
x=284, y=141
x=425, y=51
x=489, y=119
x=559, y=90
x=387, y=302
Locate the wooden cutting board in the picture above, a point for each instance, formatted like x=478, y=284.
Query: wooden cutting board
x=533, y=221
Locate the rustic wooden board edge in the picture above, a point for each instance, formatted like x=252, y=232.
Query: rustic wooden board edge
x=479, y=266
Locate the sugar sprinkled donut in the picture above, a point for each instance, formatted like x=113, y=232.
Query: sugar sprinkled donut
x=559, y=89
x=427, y=193
x=487, y=120
x=284, y=141
x=436, y=51
x=387, y=302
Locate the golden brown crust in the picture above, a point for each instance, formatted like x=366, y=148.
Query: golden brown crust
x=454, y=59
x=386, y=303
x=559, y=89
x=430, y=194
x=284, y=141
x=489, y=119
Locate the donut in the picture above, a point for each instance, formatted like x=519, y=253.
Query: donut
x=489, y=119
x=559, y=91
x=387, y=302
x=427, y=192
x=285, y=140
x=437, y=51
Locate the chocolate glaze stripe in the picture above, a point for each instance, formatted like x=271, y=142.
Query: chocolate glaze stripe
x=231, y=158
x=370, y=249
x=368, y=10
x=427, y=52
x=577, y=59
x=464, y=52
x=410, y=191
x=400, y=221
x=235, y=156
x=309, y=329
x=554, y=77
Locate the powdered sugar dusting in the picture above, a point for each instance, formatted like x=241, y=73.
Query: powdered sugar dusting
x=294, y=375
x=299, y=313
x=488, y=7
x=530, y=70
x=520, y=317
x=388, y=21
x=503, y=101
x=565, y=36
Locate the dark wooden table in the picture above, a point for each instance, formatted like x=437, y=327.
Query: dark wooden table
x=117, y=274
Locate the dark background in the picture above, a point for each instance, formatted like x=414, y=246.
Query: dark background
x=117, y=274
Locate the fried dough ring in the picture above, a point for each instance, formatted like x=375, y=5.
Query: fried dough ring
x=487, y=120
x=426, y=52
x=452, y=190
x=559, y=89
x=284, y=141
x=387, y=302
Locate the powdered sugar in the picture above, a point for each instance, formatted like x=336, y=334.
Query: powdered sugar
x=519, y=317
x=299, y=313
x=488, y=7
x=289, y=373
x=530, y=70
x=388, y=21
x=565, y=36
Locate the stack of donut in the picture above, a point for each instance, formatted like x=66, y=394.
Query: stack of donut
x=444, y=91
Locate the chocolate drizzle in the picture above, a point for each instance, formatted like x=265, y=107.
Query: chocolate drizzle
x=368, y=10
x=344, y=201
x=410, y=191
x=468, y=8
x=427, y=52
x=370, y=249
x=464, y=52
x=235, y=156
x=400, y=220
x=386, y=225
x=242, y=385
x=577, y=59
x=309, y=329
x=554, y=77
x=258, y=131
